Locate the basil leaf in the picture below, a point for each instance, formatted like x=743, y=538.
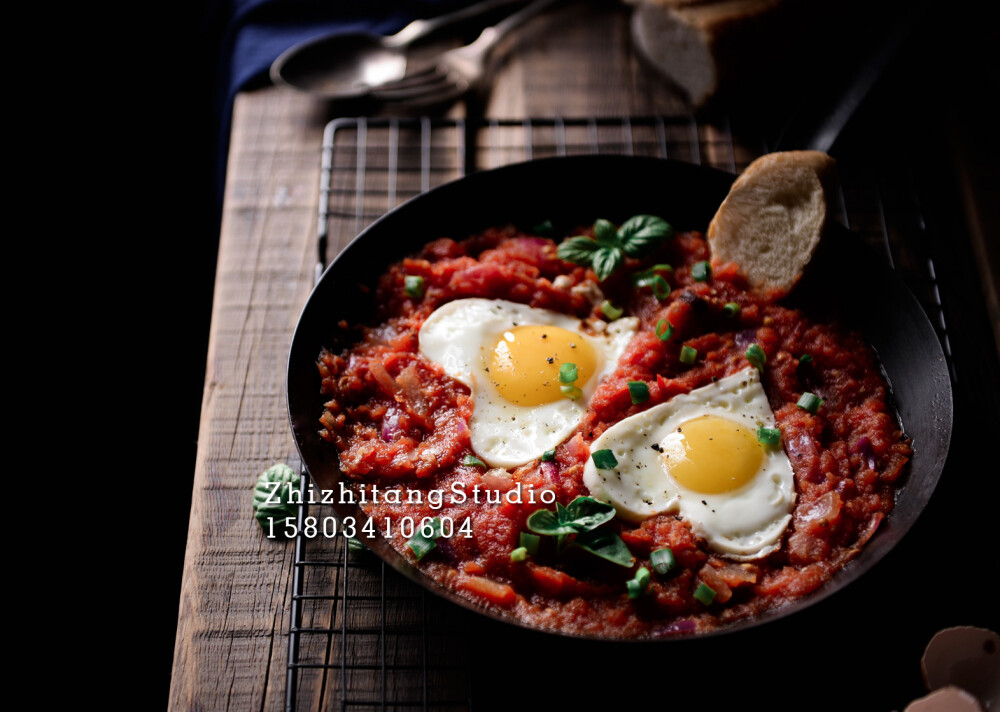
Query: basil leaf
x=642, y=233
x=605, y=233
x=588, y=513
x=607, y=260
x=272, y=493
x=545, y=521
x=578, y=250
x=562, y=514
x=607, y=545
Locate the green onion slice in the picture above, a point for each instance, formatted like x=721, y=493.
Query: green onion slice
x=638, y=585
x=688, y=355
x=664, y=334
x=571, y=391
x=756, y=357
x=704, y=593
x=810, y=402
x=661, y=290
x=731, y=309
x=472, y=461
x=422, y=545
x=519, y=554
x=414, y=285
x=604, y=460
x=768, y=436
x=549, y=455
x=641, y=279
x=805, y=359
x=567, y=373
x=529, y=542
x=611, y=311
x=639, y=391
x=701, y=271
x=662, y=560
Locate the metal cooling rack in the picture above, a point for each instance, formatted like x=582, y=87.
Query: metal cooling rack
x=362, y=636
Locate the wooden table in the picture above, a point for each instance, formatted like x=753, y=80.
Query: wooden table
x=232, y=636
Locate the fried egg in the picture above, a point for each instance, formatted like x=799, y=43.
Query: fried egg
x=698, y=456
x=510, y=355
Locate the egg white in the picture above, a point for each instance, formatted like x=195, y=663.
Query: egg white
x=461, y=336
x=743, y=524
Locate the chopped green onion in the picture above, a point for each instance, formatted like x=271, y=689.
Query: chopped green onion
x=544, y=229
x=704, y=593
x=639, y=391
x=571, y=391
x=519, y=554
x=638, y=585
x=604, y=460
x=805, y=359
x=662, y=560
x=731, y=309
x=611, y=311
x=472, y=461
x=422, y=545
x=414, y=285
x=661, y=290
x=664, y=334
x=688, y=355
x=701, y=271
x=810, y=402
x=641, y=279
x=549, y=455
x=650, y=278
x=756, y=357
x=567, y=373
x=529, y=542
x=768, y=436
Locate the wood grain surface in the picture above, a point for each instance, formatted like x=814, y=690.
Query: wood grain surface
x=231, y=650
x=232, y=634
x=233, y=621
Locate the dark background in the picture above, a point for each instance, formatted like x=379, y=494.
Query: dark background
x=937, y=98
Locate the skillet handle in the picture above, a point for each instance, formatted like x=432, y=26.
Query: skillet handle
x=818, y=120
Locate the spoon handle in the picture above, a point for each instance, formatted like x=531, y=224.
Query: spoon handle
x=419, y=29
x=492, y=35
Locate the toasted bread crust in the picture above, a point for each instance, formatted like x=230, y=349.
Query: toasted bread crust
x=773, y=218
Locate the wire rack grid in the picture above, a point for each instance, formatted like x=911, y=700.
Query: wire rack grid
x=364, y=638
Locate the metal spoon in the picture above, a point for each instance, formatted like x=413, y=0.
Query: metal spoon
x=348, y=66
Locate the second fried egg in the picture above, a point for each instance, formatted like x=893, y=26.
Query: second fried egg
x=699, y=456
x=510, y=356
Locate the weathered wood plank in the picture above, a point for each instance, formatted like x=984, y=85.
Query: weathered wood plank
x=231, y=644
x=232, y=635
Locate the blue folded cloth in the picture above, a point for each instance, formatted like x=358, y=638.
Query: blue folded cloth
x=257, y=31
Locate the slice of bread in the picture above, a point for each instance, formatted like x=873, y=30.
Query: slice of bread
x=773, y=218
x=699, y=44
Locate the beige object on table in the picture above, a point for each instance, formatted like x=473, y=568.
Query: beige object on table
x=773, y=218
x=703, y=46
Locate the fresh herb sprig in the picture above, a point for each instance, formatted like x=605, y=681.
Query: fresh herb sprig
x=607, y=250
x=577, y=524
x=275, y=494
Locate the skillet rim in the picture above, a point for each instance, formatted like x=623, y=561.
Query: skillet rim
x=894, y=527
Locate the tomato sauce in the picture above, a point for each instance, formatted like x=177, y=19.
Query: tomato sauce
x=399, y=422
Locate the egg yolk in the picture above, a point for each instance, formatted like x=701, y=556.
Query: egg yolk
x=525, y=363
x=711, y=455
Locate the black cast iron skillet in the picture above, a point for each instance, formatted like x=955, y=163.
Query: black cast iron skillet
x=844, y=280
